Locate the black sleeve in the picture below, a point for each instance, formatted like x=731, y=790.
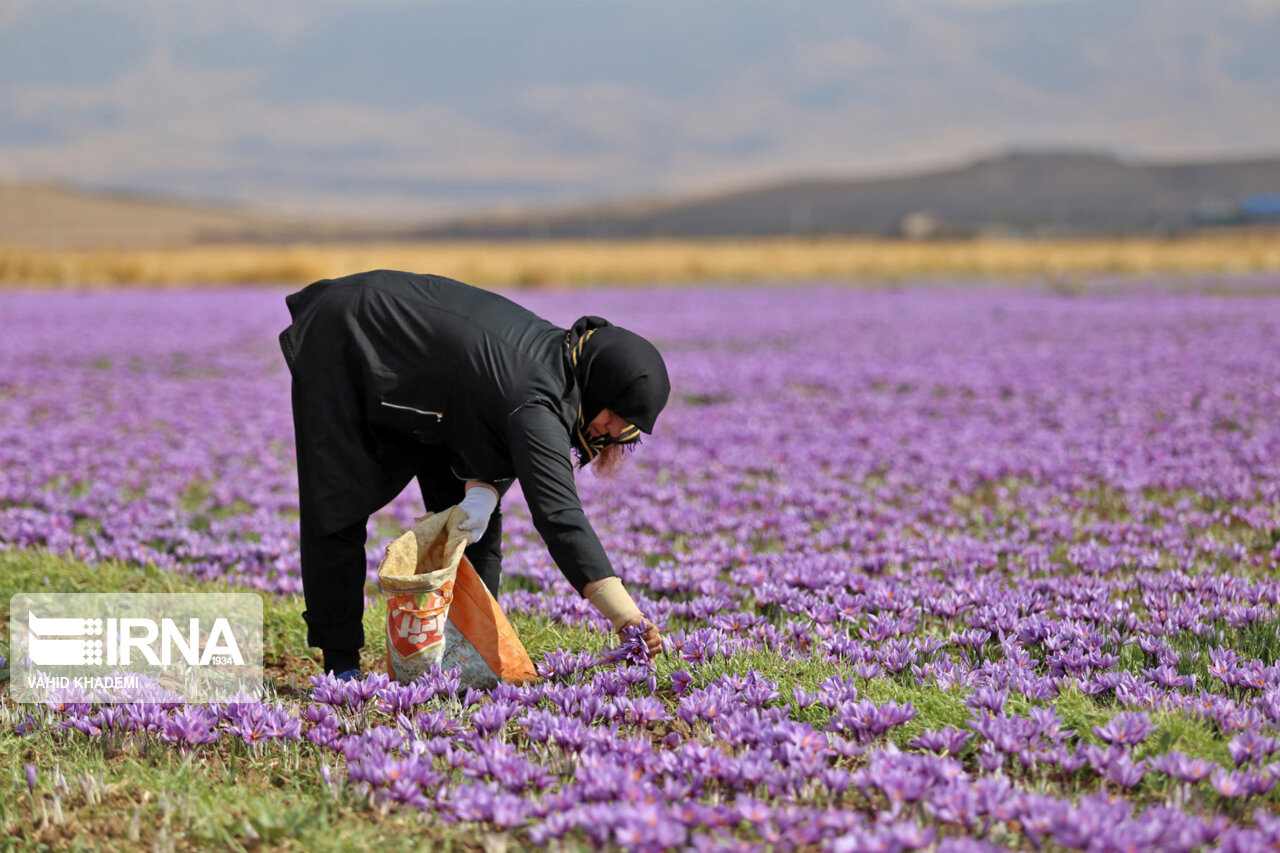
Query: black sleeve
x=541, y=455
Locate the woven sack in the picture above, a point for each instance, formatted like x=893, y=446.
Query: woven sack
x=439, y=612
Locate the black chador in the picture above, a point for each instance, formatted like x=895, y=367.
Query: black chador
x=397, y=376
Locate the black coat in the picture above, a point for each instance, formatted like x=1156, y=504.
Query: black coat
x=389, y=365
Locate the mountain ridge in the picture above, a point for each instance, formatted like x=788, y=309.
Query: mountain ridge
x=1059, y=192
x=1064, y=191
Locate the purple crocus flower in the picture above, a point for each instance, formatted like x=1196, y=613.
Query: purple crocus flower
x=1126, y=729
x=190, y=726
x=948, y=739
x=680, y=680
x=491, y=718
x=1232, y=784
x=432, y=723
x=326, y=736
x=1179, y=766
x=987, y=698
x=1123, y=770
x=977, y=433
x=1252, y=746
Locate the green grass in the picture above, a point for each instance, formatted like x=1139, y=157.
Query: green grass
x=137, y=794
x=935, y=709
x=271, y=799
x=1180, y=733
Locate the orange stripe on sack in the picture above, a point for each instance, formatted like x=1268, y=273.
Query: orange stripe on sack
x=476, y=615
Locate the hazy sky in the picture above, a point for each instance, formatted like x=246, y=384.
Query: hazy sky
x=430, y=107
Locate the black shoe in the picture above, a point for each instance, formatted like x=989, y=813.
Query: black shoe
x=337, y=662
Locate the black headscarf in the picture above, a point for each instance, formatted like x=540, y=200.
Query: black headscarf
x=619, y=370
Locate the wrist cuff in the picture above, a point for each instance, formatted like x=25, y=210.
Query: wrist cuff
x=481, y=499
x=614, y=603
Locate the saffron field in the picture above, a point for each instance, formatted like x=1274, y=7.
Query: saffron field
x=949, y=567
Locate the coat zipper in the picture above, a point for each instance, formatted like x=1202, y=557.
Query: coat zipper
x=439, y=416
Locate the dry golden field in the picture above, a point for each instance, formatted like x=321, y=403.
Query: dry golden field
x=570, y=263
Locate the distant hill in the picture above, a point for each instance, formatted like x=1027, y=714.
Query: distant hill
x=1023, y=193
x=59, y=217
x=1071, y=192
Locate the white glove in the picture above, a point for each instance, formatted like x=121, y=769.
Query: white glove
x=478, y=505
